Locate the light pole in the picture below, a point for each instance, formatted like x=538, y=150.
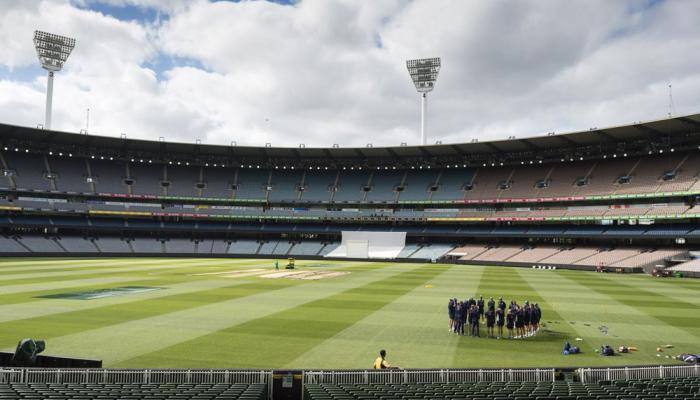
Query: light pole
x=424, y=73
x=53, y=51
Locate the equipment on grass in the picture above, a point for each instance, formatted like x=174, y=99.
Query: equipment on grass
x=290, y=263
x=26, y=352
x=569, y=349
x=607, y=351
x=689, y=358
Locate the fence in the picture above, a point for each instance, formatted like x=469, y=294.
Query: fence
x=41, y=375
x=589, y=375
x=425, y=376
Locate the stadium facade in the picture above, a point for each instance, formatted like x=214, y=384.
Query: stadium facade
x=621, y=198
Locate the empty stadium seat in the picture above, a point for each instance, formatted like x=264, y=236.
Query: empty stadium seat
x=107, y=391
x=662, y=389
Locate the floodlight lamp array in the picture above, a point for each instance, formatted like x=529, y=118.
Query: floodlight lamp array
x=424, y=73
x=52, y=50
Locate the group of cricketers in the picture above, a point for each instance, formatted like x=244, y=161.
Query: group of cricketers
x=520, y=321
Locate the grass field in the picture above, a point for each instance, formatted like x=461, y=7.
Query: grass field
x=200, y=318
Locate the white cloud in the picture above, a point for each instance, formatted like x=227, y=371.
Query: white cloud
x=323, y=72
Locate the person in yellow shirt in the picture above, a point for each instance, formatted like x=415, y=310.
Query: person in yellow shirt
x=380, y=362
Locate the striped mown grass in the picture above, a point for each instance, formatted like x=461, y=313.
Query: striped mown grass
x=211, y=321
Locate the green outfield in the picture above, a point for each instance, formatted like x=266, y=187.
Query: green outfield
x=216, y=313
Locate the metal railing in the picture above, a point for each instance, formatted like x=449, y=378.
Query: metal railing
x=425, y=376
x=158, y=376
x=591, y=375
x=11, y=375
x=41, y=375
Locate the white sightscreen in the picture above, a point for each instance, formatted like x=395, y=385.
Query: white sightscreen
x=357, y=248
x=378, y=245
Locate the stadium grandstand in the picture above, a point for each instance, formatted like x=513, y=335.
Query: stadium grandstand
x=620, y=198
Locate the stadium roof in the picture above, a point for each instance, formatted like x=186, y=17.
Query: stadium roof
x=653, y=131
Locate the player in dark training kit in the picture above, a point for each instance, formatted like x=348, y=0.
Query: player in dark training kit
x=480, y=305
x=510, y=323
x=490, y=322
x=451, y=315
x=521, y=321
x=500, y=320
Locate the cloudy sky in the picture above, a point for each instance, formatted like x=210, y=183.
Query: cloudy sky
x=332, y=71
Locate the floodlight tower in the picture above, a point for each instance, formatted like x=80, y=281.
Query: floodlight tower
x=424, y=73
x=53, y=51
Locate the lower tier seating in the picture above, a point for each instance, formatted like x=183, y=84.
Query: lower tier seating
x=674, y=388
x=66, y=391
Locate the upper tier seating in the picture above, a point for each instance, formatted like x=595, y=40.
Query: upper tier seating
x=284, y=185
x=603, y=179
x=350, y=187
x=216, y=183
x=450, y=184
x=657, y=173
x=71, y=175
x=252, y=183
x=182, y=181
x=146, y=179
x=30, y=171
x=686, y=175
x=109, y=176
x=526, y=182
x=562, y=180
x=417, y=185
x=317, y=185
x=383, y=185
